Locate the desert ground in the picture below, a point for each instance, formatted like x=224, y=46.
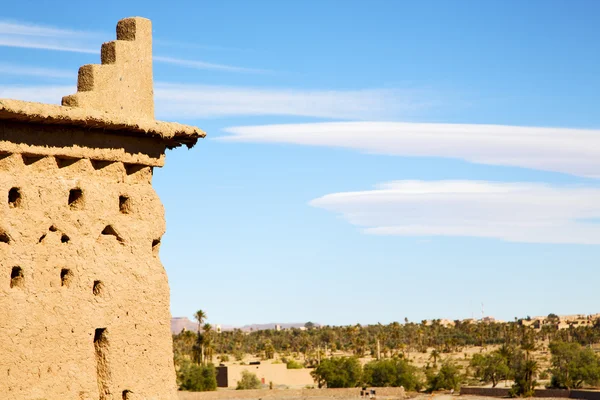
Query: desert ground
x=419, y=359
x=294, y=395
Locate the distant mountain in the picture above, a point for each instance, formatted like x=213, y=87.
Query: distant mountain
x=180, y=323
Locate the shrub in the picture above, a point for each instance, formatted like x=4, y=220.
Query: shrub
x=573, y=365
x=239, y=356
x=342, y=372
x=448, y=377
x=491, y=367
x=248, y=381
x=197, y=378
x=394, y=372
x=293, y=364
x=523, y=370
x=224, y=358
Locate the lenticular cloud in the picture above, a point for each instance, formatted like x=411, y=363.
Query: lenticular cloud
x=571, y=151
x=516, y=212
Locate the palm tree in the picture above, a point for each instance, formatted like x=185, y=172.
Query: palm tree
x=200, y=316
x=207, y=343
x=434, y=354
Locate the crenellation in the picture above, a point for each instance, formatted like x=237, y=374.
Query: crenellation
x=122, y=83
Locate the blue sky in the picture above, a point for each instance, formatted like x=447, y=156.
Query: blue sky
x=365, y=161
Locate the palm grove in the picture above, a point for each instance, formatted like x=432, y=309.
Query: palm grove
x=510, y=352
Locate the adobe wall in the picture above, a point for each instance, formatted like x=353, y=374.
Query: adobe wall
x=84, y=298
x=84, y=235
x=279, y=374
x=540, y=393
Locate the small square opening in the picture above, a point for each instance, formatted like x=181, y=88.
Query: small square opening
x=98, y=288
x=4, y=238
x=14, y=197
x=131, y=169
x=99, y=336
x=155, y=247
x=66, y=276
x=17, y=280
x=76, y=199
x=124, y=204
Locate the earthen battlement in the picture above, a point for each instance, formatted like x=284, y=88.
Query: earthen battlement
x=122, y=83
x=115, y=97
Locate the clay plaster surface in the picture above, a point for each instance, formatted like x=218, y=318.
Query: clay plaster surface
x=47, y=322
x=84, y=298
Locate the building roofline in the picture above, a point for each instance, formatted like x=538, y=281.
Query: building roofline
x=174, y=134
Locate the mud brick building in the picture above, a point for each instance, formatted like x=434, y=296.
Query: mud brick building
x=84, y=298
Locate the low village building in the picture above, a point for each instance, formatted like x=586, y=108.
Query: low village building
x=561, y=321
x=277, y=374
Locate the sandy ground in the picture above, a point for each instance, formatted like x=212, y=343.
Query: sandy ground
x=200, y=396
x=206, y=396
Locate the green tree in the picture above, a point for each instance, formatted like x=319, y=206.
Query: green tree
x=293, y=364
x=448, y=377
x=197, y=378
x=491, y=367
x=269, y=349
x=200, y=316
x=523, y=370
x=392, y=372
x=338, y=372
x=435, y=354
x=208, y=342
x=248, y=381
x=573, y=365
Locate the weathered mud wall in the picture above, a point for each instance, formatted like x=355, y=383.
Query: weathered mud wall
x=84, y=299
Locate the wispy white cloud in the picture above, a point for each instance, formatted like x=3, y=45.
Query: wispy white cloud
x=572, y=151
x=24, y=70
x=205, y=65
x=33, y=36
x=12, y=41
x=517, y=212
x=42, y=94
x=29, y=29
x=174, y=101
x=202, y=101
x=196, y=46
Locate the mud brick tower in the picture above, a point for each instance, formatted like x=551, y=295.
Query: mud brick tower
x=84, y=299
